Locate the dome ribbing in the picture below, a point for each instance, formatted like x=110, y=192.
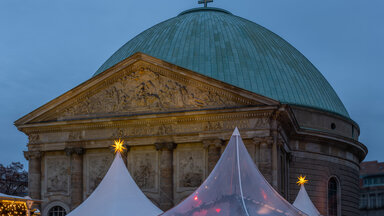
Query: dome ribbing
x=215, y=43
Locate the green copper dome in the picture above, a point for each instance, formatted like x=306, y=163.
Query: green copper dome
x=215, y=43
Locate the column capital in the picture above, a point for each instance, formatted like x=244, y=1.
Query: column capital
x=165, y=146
x=74, y=150
x=32, y=155
x=213, y=142
x=267, y=140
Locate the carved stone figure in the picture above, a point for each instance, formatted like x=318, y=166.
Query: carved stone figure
x=145, y=90
x=144, y=169
x=191, y=166
x=57, y=174
x=98, y=167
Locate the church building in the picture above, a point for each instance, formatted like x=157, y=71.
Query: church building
x=174, y=94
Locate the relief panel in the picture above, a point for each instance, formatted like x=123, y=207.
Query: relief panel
x=97, y=166
x=143, y=166
x=190, y=164
x=57, y=174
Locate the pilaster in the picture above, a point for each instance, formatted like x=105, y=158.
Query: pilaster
x=76, y=163
x=214, y=147
x=166, y=174
x=34, y=173
x=264, y=156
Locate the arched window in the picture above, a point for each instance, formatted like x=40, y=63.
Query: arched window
x=57, y=211
x=333, y=197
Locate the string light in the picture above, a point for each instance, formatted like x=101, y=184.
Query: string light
x=10, y=208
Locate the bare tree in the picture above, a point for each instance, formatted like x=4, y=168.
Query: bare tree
x=13, y=179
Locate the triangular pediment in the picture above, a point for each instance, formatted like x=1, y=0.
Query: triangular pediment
x=142, y=84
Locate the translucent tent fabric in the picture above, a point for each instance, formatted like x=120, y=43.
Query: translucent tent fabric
x=234, y=188
x=117, y=195
x=304, y=203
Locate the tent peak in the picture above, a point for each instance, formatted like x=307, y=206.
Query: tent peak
x=236, y=132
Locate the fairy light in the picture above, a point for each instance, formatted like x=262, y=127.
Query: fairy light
x=13, y=208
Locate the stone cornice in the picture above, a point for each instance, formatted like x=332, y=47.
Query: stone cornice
x=341, y=141
x=325, y=157
x=151, y=119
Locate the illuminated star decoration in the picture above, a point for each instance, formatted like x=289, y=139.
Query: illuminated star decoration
x=302, y=180
x=119, y=146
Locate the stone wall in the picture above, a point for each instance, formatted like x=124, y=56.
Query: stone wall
x=318, y=169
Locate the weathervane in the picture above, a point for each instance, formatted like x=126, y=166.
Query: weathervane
x=205, y=2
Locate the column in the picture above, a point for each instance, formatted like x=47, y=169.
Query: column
x=274, y=133
x=34, y=173
x=166, y=174
x=264, y=156
x=214, y=151
x=76, y=189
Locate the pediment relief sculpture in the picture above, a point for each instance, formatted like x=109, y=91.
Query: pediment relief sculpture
x=146, y=91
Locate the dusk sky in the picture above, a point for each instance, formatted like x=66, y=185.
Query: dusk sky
x=48, y=47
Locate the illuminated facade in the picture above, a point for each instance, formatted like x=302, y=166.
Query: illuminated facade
x=174, y=94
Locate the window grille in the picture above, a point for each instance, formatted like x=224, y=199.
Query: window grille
x=57, y=211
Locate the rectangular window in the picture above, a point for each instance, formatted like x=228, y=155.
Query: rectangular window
x=380, y=203
x=372, y=201
x=363, y=202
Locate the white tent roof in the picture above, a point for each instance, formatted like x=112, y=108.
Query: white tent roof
x=5, y=196
x=235, y=187
x=11, y=197
x=304, y=203
x=117, y=195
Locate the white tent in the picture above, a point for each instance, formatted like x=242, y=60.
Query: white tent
x=117, y=195
x=6, y=196
x=235, y=187
x=304, y=203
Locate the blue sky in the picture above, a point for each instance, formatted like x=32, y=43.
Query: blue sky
x=47, y=47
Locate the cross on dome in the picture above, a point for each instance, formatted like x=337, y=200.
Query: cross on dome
x=205, y=2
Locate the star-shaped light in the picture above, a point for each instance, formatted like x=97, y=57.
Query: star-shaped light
x=119, y=147
x=302, y=180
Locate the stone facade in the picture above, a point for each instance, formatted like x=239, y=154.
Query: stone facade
x=176, y=124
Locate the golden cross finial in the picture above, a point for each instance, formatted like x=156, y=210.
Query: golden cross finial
x=302, y=180
x=205, y=2
x=119, y=147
